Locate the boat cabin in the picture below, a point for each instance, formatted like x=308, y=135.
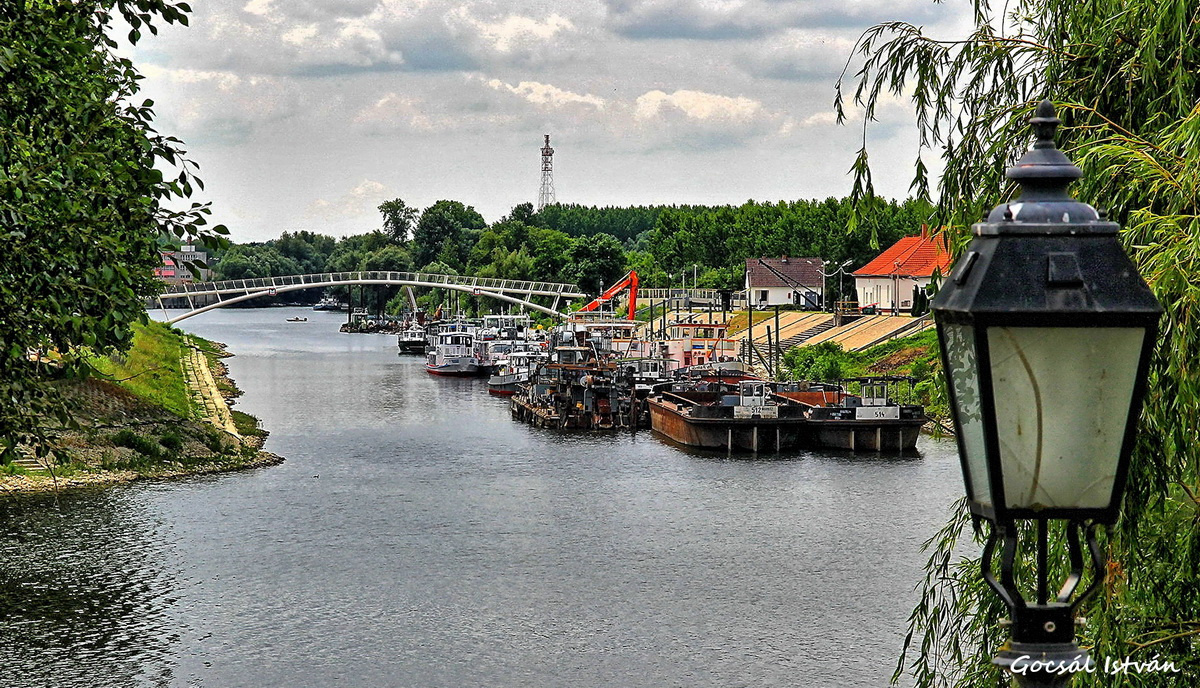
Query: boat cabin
x=573, y=355
x=698, y=343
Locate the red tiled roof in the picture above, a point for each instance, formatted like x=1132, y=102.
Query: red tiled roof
x=802, y=271
x=915, y=256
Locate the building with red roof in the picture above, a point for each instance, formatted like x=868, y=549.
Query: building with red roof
x=889, y=282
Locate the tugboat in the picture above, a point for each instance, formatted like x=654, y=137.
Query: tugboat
x=451, y=352
x=413, y=339
x=329, y=303
x=500, y=336
x=574, y=390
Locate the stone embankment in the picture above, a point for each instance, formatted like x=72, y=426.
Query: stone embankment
x=124, y=438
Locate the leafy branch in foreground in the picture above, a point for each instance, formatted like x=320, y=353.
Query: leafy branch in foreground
x=1124, y=75
x=83, y=199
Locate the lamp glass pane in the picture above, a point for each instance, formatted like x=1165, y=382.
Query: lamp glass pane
x=1062, y=400
x=964, y=377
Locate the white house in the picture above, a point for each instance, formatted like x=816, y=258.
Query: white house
x=889, y=282
x=784, y=281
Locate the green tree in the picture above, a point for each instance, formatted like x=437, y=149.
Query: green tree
x=522, y=212
x=446, y=231
x=248, y=261
x=309, y=249
x=595, y=262
x=1124, y=76
x=399, y=219
x=824, y=362
x=83, y=197
x=548, y=248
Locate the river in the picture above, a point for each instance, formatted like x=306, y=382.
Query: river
x=417, y=536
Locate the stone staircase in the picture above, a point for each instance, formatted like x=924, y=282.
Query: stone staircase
x=205, y=395
x=29, y=463
x=797, y=339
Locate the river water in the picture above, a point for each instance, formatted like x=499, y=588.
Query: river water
x=416, y=536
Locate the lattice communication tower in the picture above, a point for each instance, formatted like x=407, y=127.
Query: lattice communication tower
x=546, y=195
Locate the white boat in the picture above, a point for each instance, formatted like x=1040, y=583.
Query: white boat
x=412, y=340
x=329, y=303
x=452, y=351
x=514, y=372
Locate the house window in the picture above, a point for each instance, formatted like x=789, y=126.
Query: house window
x=762, y=295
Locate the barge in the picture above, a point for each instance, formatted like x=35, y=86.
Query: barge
x=753, y=419
x=766, y=416
x=868, y=421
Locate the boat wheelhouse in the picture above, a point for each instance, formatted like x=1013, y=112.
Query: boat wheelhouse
x=452, y=353
x=516, y=371
x=697, y=343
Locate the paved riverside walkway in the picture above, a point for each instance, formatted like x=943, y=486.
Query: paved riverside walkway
x=204, y=391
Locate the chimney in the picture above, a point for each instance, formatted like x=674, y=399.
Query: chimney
x=784, y=259
x=925, y=232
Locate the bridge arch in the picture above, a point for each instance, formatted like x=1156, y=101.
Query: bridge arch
x=252, y=289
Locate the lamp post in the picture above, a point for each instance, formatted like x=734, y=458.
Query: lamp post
x=825, y=281
x=1046, y=330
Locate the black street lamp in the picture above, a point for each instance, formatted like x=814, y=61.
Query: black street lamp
x=1046, y=330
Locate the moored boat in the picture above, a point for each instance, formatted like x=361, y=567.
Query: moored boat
x=574, y=389
x=452, y=354
x=707, y=416
x=412, y=340
x=514, y=372
x=329, y=303
x=868, y=421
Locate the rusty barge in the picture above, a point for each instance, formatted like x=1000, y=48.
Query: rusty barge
x=763, y=416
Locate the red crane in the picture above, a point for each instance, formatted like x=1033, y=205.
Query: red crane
x=630, y=281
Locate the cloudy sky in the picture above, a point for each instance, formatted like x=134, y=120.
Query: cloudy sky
x=306, y=114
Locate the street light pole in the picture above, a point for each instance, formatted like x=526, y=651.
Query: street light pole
x=1045, y=329
x=825, y=280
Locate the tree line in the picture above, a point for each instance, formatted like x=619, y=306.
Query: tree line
x=669, y=246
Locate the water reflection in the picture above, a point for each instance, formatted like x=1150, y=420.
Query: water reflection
x=87, y=581
x=416, y=536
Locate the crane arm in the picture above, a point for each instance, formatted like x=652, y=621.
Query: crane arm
x=629, y=281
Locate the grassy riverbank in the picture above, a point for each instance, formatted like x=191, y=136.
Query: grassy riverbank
x=915, y=356
x=143, y=416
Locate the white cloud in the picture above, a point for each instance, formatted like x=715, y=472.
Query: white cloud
x=300, y=34
x=696, y=105
x=362, y=199
x=505, y=33
x=259, y=7
x=393, y=111
x=545, y=94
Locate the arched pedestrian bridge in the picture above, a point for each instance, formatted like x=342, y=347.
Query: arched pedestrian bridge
x=228, y=292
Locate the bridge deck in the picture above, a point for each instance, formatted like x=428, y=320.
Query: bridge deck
x=243, y=286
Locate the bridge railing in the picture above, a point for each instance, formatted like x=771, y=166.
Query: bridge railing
x=737, y=298
x=329, y=278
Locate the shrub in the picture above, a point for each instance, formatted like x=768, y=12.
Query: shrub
x=824, y=362
x=139, y=443
x=171, y=441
